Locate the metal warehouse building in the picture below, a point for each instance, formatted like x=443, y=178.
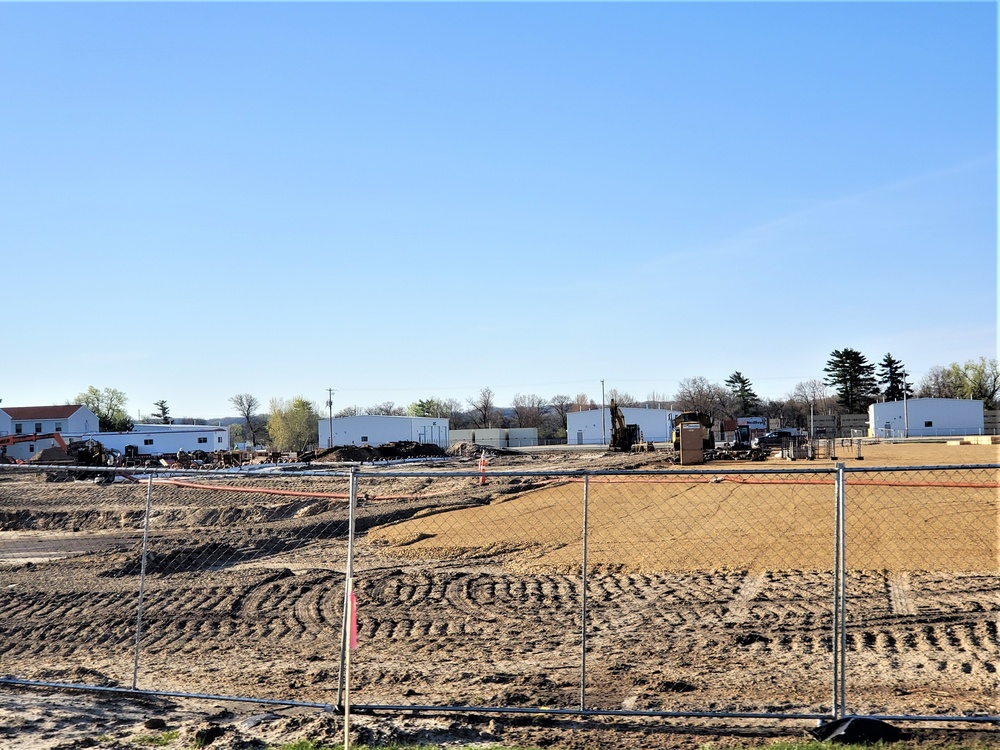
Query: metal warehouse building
x=593, y=427
x=926, y=417
x=376, y=430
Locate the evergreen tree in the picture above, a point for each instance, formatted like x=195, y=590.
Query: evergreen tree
x=853, y=377
x=892, y=378
x=747, y=402
x=162, y=411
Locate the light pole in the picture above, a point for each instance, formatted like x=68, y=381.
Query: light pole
x=604, y=427
x=329, y=404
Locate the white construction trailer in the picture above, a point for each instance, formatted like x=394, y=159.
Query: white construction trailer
x=593, y=427
x=162, y=439
x=377, y=430
x=926, y=417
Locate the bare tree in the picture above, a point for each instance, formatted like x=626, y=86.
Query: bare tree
x=350, y=411
x=697, y=394
x=940, y=382
x=657, y=400
x=813, y=395
x=560, y=406
x=622, y=398
x=246, y=405
x=777, y=409
x=583, y=402
x=386, y=409
x=484, y=412
x=529, y=410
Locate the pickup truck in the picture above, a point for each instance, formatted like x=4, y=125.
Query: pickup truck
x=775, y=438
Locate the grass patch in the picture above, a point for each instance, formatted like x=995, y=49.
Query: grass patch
x=156, y=740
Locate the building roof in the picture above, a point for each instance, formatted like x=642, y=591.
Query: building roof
x=41, y=412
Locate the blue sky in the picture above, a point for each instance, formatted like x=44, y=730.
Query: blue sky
x=404, y=201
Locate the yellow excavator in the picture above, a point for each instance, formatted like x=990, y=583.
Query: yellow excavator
x=623, y=436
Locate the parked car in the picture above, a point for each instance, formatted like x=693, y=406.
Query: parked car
x=774, y=439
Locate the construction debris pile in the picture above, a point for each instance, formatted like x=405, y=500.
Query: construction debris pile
x=367, y=453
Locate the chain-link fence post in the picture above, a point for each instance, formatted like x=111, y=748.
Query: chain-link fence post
x=840, y=599
x=142, y=580
x=342, y=686
x=583, y=603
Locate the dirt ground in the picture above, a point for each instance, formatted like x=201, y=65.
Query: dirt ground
x=705, y=593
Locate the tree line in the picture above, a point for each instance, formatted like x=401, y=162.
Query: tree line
x=850, y=385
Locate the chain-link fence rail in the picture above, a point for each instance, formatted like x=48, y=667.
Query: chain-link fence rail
x=707, y=592
x=923, y=591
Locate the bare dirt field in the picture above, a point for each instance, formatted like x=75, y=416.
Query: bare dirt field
x=705, y=593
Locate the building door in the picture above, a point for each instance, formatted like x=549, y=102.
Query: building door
x=579, y=437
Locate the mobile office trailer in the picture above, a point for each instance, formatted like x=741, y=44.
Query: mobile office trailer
x=162, y=439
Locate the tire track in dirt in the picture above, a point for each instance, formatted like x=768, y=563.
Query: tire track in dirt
x=900, y=599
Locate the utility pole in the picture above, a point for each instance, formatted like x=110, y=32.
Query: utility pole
x=604, y=427
x=906, y=414
x=329, y=404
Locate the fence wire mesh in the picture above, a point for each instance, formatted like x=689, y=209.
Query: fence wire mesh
x=708, y=592
x=923, y=589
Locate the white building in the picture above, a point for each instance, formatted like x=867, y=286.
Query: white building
x=926, y=417
x=593, y=427
x=164, y=439
x=376, y=430
x=31, y=420
x=497, y=437
x=76, y=422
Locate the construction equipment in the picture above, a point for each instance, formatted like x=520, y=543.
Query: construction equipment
x=742, y=448
x=689, y=417
x=6, y=440
x=623, y=436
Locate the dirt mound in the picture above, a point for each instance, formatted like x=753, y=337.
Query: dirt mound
x=190, y=559
x=474, y=450
x=53, y=455
x=385, y=452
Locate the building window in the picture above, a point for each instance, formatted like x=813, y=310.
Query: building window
x=928, y=424
x=17, y=428
x=31, y=447
x=364, y=438
x=38, y=427
x=58, y=426
x=147, y=441
x=203, y=440
x=218, y=440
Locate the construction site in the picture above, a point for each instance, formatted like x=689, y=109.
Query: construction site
x=707, y=593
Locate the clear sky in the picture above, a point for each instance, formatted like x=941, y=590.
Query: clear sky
x=405, y=201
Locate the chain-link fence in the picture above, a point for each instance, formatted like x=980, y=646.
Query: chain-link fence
x=783, y=593
x=923, y=592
